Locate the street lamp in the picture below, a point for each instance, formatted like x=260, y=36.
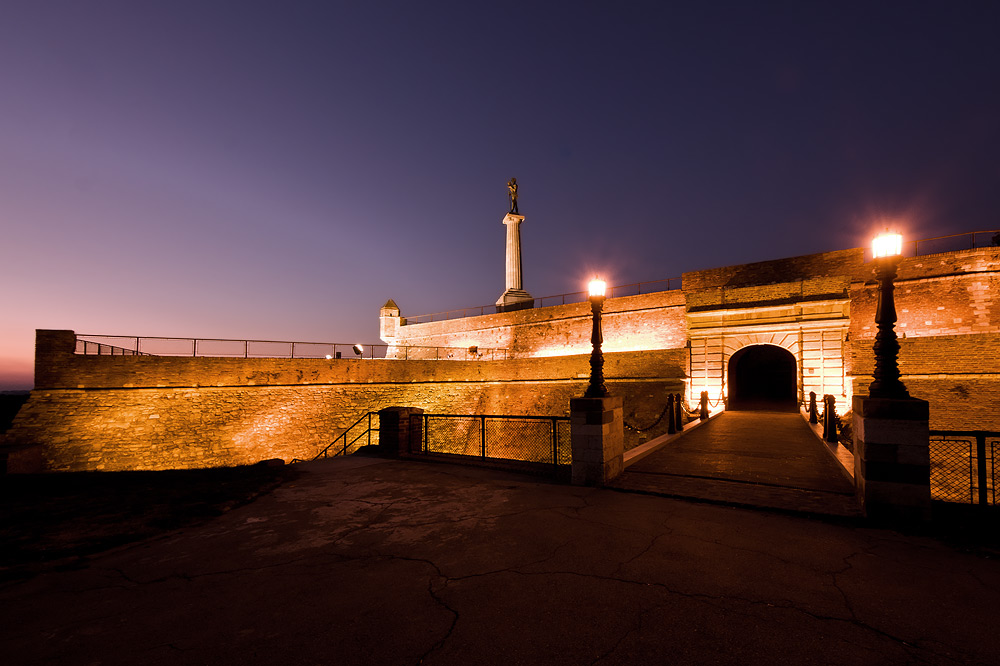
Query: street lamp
x=887, y=249
x=596, y=389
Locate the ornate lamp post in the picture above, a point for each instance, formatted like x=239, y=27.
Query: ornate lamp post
x=596, y=389
x=888, y=250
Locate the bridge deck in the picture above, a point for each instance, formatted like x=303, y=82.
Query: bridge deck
x=759, y=458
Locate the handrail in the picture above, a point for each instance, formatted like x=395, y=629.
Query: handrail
x=994, y=241
x=343, y=436
x=573, y=296
x=216, y=347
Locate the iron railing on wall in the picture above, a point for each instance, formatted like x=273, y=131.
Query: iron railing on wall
x=968, y=241
x=541, y=440
x=963, y=466
x=532, y=439
x=633, y=289
x=94, y=348
x=122, y=345
x=363, y=432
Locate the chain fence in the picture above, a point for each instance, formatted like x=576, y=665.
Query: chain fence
x=963, y=466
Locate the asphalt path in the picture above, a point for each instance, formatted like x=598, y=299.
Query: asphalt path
x=370, y=561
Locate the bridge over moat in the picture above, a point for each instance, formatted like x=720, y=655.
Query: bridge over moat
x=757, y=458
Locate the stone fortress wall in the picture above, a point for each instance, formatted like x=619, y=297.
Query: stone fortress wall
x=820, y=307
x=156, y=412
x=147, y=412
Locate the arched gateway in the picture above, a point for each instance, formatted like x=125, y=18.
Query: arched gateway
x=763, y=376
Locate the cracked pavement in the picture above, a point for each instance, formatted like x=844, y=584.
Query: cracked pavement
x=370, y=561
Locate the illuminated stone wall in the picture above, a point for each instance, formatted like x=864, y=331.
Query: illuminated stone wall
x=949, y=335
x=819, y=307
x=630, y=323
x=146, y=412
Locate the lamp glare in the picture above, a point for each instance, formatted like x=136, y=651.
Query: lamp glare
x=597, y=287
x=887, y=244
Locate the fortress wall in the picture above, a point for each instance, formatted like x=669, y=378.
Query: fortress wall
x=958, y=374
x=811, y=267
x=145, y=412
x=630, y=323
x=940, y=294
x=949, y=335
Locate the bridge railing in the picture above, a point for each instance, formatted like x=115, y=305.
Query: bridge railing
x=120, y=345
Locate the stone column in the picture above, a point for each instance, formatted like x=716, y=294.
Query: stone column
x=598, y=439
x=514, y=296
x=892, y=458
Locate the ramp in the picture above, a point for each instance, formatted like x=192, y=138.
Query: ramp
x=764, y=459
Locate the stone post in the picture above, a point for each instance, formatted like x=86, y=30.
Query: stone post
x=703, y=414
x=830, y=418
x=514, y=296
x=671, y=417
x=400, y=430
x=677, y=411
x=598, y=439
x=892, y=458
x=813, y=414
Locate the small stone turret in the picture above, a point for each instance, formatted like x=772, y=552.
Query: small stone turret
x=389, y=321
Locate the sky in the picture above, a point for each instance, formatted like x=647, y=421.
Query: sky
x=278, y=170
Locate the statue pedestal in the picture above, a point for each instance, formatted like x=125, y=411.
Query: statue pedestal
x=515, y=299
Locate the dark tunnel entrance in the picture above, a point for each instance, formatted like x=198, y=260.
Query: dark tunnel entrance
x=762, y=377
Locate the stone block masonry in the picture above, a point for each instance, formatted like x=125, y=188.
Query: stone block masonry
x=147, y=412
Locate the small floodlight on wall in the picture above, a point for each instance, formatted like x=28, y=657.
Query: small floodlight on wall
x=328, y=357
x=887, y=244
x=597, y=287
x=358, y=350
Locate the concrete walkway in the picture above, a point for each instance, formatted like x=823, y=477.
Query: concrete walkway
x=368, y=561
x=753, y=458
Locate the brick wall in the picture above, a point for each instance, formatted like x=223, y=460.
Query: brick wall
x=146, y=412
x=646, y=321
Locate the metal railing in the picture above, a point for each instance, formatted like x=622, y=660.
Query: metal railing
x=963, y=466
x=951, y=243
x=92, y=348
x=356, y=435
x=121, y=345
x=619, y=291
x=533, y=439
x=954, y=242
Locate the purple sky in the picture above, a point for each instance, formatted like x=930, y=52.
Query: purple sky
x=277, y=170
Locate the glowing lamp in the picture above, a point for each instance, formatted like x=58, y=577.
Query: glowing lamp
x=358, y=350
x=888, y=250
x=597, y=287
x=596, y=388
x=328, y=357
x=887, y=244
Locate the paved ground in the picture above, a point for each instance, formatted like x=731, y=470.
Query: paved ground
x=368, y=561
x=754, y=458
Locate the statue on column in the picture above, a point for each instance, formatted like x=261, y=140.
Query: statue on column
x=512, y=189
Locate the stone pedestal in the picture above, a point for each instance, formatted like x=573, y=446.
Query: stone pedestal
x=514, y=296
x=598, y=439
x=892, y=458
x=400, y=430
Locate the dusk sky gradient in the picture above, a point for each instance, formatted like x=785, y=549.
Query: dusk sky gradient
x=277, y=170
